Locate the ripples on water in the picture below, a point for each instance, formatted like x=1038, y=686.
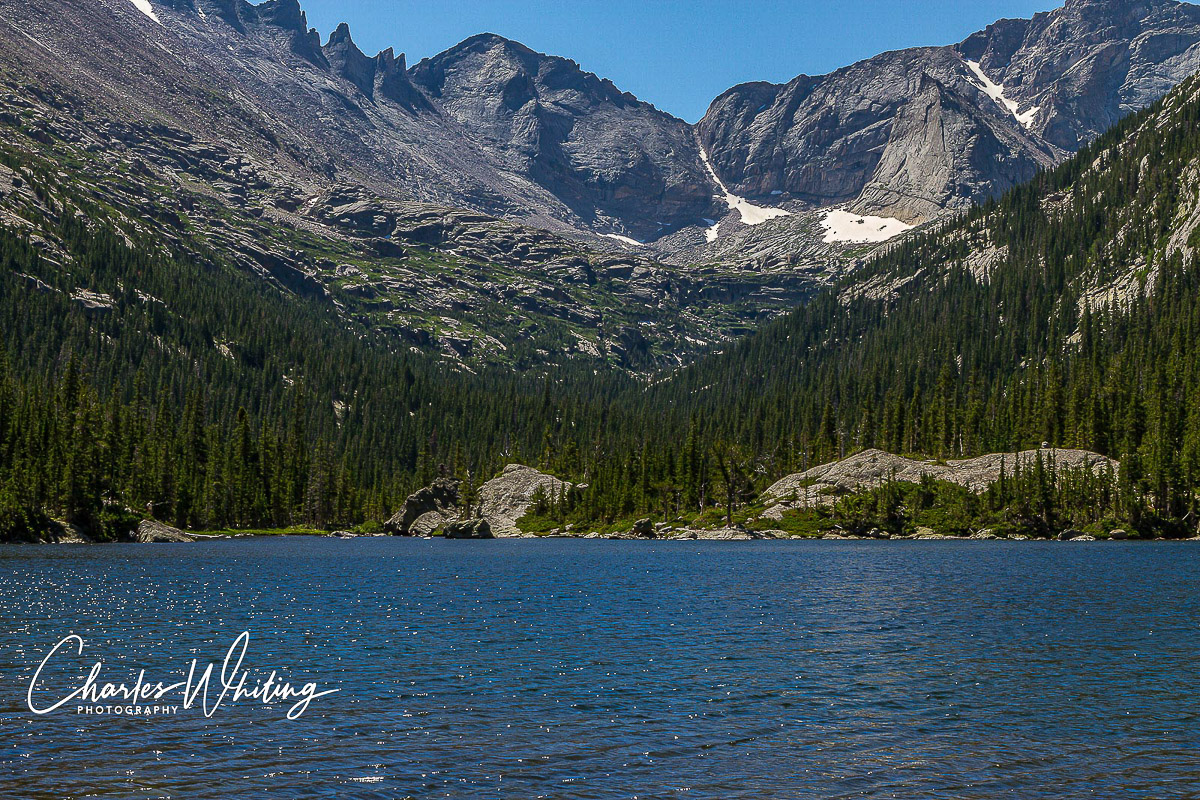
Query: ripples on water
x=593, y=669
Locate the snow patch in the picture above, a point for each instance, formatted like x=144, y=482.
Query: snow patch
x=842, y=226
x=713, y=231
x=996, y=92
x=751, y=214
x=147, y=9
x=624, y=239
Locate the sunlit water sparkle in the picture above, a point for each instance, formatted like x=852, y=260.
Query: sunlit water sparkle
x=594, y=669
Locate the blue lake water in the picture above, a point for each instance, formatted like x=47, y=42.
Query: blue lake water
x=595, y=669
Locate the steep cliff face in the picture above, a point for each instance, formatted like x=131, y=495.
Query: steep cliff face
x=911, y=133
x=944, y=152
x=330, y=175
x=620, y=164
x=906, y=134
x=1090, y=63
x=384, y=76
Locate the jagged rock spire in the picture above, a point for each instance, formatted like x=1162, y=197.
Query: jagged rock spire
x=346, y=60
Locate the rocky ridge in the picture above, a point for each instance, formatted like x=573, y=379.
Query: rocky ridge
x=492, y=126
x=911, y=133
x=490, y=204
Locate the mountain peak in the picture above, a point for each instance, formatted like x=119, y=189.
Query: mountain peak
x=1118, y=5
x=527, y=71
x=340, y=35
x=347, y=60
x=487, y=41
x=389, y=61
x=284, y=13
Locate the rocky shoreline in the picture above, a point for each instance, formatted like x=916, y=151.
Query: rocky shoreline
x=495, y=510
x=156, y=533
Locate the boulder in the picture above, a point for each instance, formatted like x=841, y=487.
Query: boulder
x=736, y=534
x=60, y=532
x=426, y=509
x=1118, y=535
x=429, y=523
x=726, y=535
x=1069, y=534
x=469, y=529
x=1083, y=538
x=507, y=497
x=644, y=528
x=151, y=532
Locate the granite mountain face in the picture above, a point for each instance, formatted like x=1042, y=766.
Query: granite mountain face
x=911, y=133
x=618, y=165
x=488, y=125
x=492, y=126
x=229, y=133
x=492, y=200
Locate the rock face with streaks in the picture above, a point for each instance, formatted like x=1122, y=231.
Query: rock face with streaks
x=495, y=127
x=472, y=200
x=488, y=125
x=910, y=133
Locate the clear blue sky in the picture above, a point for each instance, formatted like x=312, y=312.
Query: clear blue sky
x=677, y=54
